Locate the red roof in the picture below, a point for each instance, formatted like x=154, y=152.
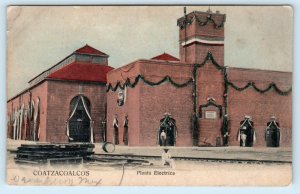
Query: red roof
x=90, y=50
x=165, y=57
x=81, y=71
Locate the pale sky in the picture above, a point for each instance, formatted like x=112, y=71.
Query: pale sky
x=39, y=37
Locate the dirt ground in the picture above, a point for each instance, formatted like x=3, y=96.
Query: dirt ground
x=185, y=173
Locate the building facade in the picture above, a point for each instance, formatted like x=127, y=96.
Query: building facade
x=206, y=101
x=65, y=103
x=192, y=101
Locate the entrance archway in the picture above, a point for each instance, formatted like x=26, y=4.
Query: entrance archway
x=79, y=122
x=167, y=132
x=272, y=134
x=246, y=135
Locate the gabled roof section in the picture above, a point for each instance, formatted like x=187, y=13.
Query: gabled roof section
x=81, y=71
x=72, y=58
x=90, y=50
x=165, y=57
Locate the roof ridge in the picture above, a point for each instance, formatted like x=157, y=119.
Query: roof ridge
x=87, y=49
x=166, y=57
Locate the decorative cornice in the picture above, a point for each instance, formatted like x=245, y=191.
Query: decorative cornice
x=195, y=16
x=219, y=41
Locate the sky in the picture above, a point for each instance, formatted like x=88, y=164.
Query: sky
x=38, y=37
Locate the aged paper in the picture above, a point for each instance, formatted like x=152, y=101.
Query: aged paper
x=149, y=95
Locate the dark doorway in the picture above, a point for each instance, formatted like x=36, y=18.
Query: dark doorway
x=116, y=135
x=79, y=123
x=167, y=131
x=273, y=134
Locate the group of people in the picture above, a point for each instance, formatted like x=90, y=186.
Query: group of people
x=247, y=136
x=24, y=122
x=168, y=132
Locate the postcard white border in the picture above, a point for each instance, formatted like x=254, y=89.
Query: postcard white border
x=294, y=188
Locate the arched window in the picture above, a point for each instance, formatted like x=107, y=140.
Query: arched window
x=80, y=107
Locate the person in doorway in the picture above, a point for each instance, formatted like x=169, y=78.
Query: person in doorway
x=104, y=129
x=224, y=130
x=195, y=129
x=167, y=159
x=116, y=130
x=272, y=134
x=125, y=134
x=246, y=132
x=225, y=139
x=243, y=136
x=163, y=138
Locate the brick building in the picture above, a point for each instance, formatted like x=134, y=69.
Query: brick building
x=69, y=101
x=65, y=103
x=196, y=90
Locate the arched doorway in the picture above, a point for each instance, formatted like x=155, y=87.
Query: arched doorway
x=272, y=134
x=167, y=132
x=246, y=134
x=79, y=123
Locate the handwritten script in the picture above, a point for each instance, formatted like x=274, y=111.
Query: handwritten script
x=56, y=181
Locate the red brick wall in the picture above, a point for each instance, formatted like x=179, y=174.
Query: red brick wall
x=210, y=129
x=131, y=108
x=155, y=101
x=188, y=54
x=210, y=83
x=130, y=70
x=38, y=91
x=187, y=32
x=145, y=105
x=260, y=106
x=196, y=52
x=208, y=30
x=55, y=97
x=216, y=50
x=60, y=94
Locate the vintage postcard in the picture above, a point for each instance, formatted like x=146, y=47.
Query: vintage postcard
x=149, y=95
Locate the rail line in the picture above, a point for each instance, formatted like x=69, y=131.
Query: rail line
x=227, y=160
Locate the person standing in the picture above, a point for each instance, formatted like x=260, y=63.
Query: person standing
x=163, y=138
x=125, y=133
x=116, y=130
x=104, y=129
x=246, y=132
x=224, y=130
x=195, y=129
x=167, y=159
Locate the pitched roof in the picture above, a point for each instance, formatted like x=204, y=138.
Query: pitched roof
x=90, y=50
x=165, y=57
x=81, y=71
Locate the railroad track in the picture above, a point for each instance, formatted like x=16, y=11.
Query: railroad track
x=221, y=160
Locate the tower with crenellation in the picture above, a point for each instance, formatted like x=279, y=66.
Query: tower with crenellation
x=200, y=33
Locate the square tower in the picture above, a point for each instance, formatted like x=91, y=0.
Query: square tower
x=200, y=33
